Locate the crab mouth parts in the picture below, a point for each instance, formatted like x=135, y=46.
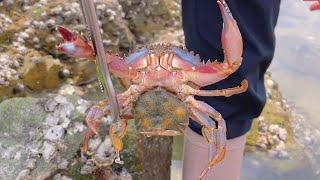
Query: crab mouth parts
x=161, y=132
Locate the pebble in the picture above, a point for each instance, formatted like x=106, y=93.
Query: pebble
x=64, y=73
x=18, y=88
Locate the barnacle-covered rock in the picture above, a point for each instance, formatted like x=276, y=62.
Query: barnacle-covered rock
x=40, y=138
x=147, y=18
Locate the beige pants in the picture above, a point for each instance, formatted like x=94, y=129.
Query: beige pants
x=196, y=158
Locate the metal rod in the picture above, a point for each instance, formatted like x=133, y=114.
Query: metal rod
x=91, y=20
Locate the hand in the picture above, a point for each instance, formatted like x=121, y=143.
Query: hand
x=315, y=5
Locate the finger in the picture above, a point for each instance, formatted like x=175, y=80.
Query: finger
x=315, y=6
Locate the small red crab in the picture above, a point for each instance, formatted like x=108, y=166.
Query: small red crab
x=174, y=70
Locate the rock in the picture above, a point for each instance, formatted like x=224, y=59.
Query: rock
x=24, y=120
x=33, y=145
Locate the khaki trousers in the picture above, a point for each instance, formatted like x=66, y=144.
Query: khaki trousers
x=196, y=158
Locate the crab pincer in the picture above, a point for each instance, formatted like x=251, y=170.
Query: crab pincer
x=74, y=44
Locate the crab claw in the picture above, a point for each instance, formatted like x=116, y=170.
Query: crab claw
x=231, y=38
x=74, y=44
x=212, y=72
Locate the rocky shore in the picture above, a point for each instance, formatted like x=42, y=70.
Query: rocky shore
x=45, y=95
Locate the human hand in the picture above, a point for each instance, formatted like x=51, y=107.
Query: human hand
x=315, y=5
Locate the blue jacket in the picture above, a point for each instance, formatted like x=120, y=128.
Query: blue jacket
x=202, y=24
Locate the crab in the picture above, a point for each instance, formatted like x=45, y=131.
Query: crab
x=163, y=82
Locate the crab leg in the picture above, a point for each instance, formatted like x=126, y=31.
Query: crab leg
x=117, y=132
x=93, y=121
x=232, y=44
x=186, y=89
x=202, y=106
x=215, y=136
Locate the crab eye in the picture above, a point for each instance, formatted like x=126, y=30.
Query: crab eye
x=186, y=56
x=137, y=55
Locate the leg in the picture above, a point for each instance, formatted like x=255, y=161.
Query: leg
x=93, y=118
x=228, y=169
x=186, y=89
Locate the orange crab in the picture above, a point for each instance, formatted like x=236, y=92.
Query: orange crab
x=173, y=70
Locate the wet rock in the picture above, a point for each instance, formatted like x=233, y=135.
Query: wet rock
x=33, y=145
x=272, y=132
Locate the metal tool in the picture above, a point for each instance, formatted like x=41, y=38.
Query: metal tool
x=91, y=20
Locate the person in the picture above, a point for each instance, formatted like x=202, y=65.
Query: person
x=202, y=25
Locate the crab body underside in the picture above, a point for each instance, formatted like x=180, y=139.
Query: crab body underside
x=163, y=82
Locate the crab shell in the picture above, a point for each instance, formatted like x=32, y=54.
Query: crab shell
x=159, y=112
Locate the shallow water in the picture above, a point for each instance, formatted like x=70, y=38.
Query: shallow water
x=296, y=67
